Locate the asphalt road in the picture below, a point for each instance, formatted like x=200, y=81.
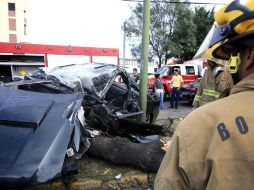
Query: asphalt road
x=184, y=108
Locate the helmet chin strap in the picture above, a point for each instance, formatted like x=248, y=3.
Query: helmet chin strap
x=234, y=63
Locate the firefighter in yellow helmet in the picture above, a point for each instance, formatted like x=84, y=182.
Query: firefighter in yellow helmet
x=212, y=147
x=215, y=83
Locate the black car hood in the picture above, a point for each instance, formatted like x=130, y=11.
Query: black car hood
x=35, y=131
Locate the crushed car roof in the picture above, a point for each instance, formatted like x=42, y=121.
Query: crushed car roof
x=94, y=77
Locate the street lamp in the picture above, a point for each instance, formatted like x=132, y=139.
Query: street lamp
x=124, y=41
x=144, y=62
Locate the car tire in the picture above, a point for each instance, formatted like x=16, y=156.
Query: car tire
x=191, y=102
x=149, y=118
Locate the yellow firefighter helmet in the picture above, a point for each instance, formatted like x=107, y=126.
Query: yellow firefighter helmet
x=208, y=55
x=235, y=25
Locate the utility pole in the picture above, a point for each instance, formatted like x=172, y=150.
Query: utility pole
x=144, y=60
x=124, y=40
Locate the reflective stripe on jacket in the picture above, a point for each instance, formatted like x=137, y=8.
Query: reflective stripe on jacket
x=212, y=87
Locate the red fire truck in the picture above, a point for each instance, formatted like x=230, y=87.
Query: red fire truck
x=16, y=58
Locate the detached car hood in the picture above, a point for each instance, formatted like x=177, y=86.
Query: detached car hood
x=35, y=132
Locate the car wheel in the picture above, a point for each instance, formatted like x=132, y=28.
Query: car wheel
x=148, y=118
x=191, y=102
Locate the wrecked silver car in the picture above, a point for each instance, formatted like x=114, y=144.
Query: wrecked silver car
x=111, y=109
x=111, y=95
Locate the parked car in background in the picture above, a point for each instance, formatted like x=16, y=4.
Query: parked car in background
x=189, y=73
x=188, y=91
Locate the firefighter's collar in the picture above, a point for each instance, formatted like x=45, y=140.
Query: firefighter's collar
x=217, y=70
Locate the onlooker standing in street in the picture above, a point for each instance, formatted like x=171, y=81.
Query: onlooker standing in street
x=136, y=76
x=176, y=83
x=158, y=88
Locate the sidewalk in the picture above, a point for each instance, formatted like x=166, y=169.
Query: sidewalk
x=183, y=110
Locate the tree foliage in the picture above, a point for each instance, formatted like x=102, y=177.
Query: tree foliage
x=162, y=22
x=204, y=20
x=176, y=30
x=183, y=39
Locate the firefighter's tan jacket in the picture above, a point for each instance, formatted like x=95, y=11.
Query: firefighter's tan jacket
x=213, y=147
x=213, y=86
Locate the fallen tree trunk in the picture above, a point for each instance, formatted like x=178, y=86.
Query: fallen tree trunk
x=119, y=150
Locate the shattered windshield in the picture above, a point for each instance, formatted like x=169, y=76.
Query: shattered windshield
x=92, y=77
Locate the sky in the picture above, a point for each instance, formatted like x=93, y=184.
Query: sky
x=90, y=23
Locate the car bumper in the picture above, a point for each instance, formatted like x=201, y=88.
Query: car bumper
x=188, y=95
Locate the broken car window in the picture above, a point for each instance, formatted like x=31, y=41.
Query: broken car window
x=92, y=77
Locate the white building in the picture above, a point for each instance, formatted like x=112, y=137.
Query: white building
x=130, y=64
x=13, y=19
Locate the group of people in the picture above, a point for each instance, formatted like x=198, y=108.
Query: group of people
x=215, y=84
x=212, y=147
x=176, y=83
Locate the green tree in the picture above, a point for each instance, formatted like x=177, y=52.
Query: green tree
x=183, y=42
x=176, y=30
x=162, y=22
x=204, y=20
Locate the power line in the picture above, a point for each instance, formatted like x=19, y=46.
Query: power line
x=177, y=2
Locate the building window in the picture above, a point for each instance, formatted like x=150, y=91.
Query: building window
x=11, y=6
x=12, y=24
x=11, y=10
x=25, y=29
x=13, y=38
